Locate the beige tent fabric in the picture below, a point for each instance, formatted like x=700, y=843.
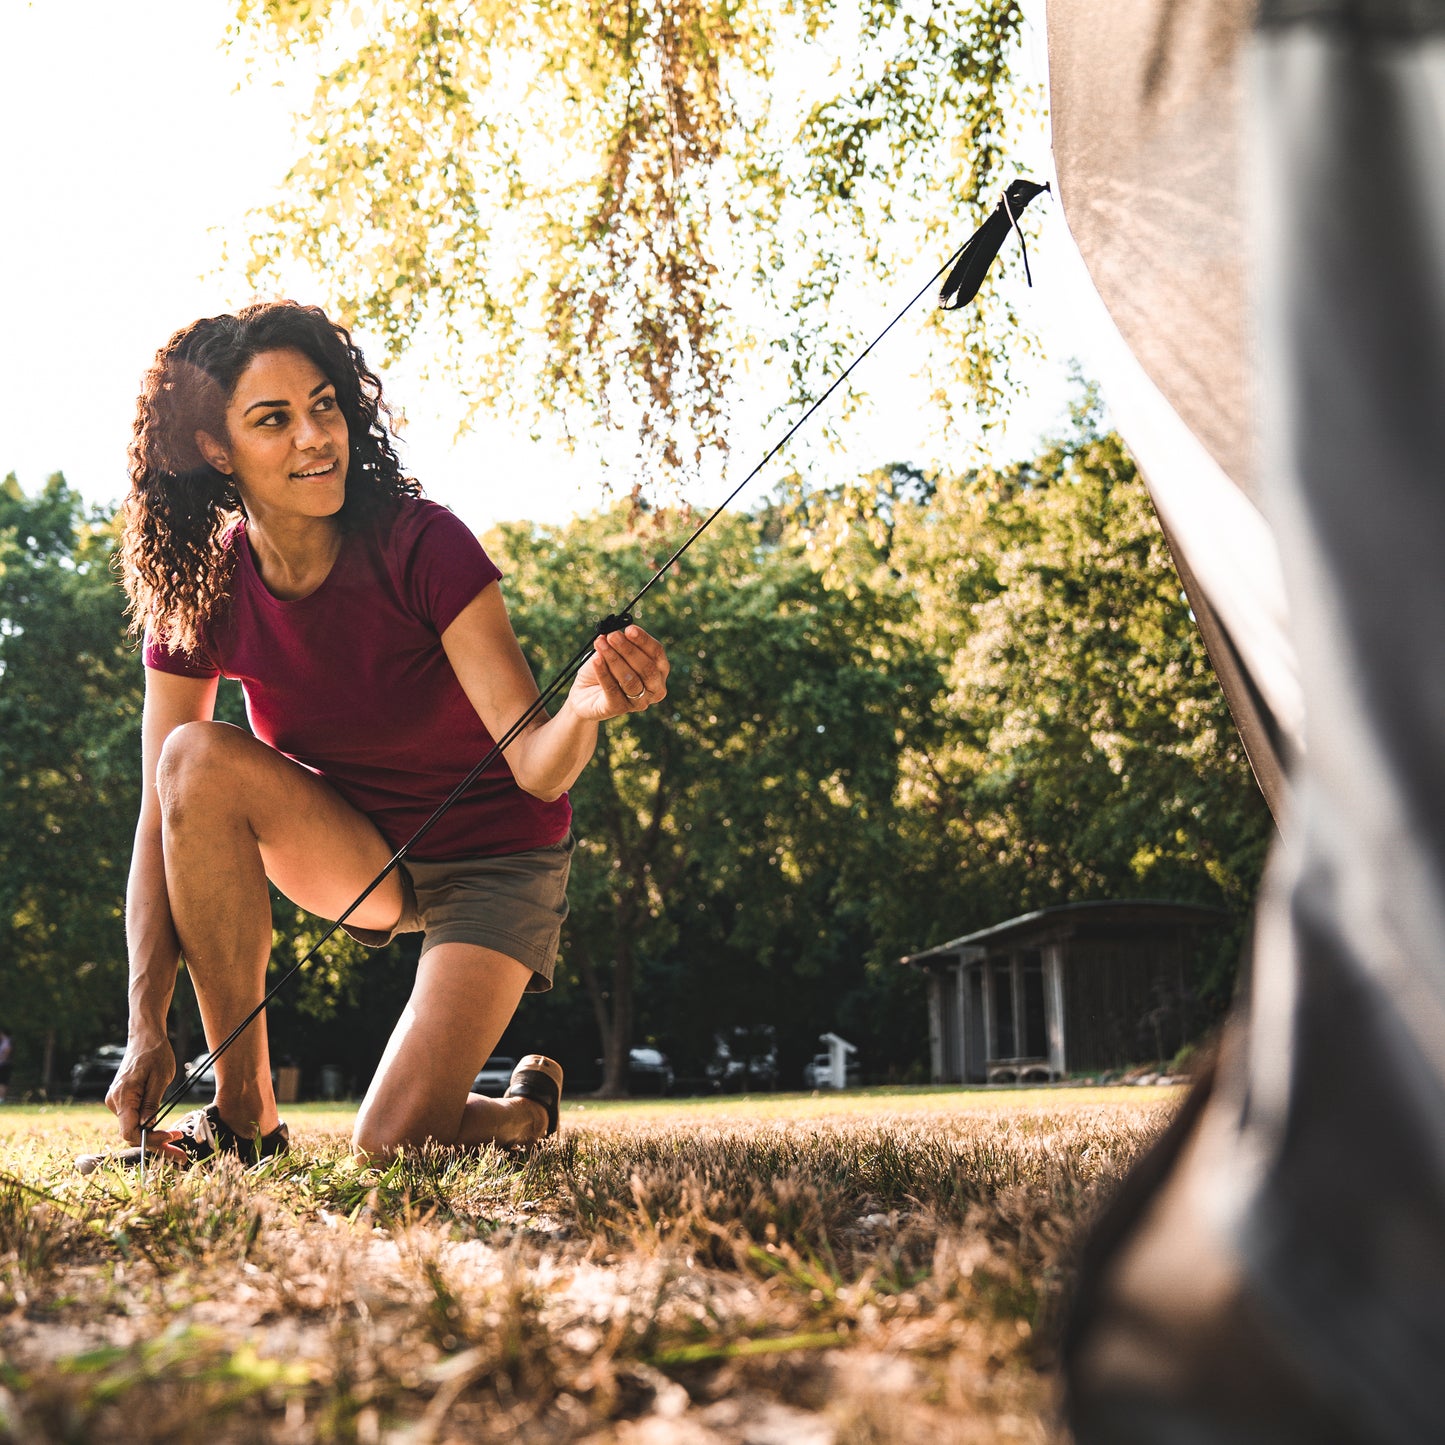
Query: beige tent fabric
x=1144, y=97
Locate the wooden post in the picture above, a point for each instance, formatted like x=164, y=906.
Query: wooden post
x=965, y=1022
x=1016, y=988
x=960, y=1020
x=989, y=1032
x=1054, y=1006
x=935, y=1026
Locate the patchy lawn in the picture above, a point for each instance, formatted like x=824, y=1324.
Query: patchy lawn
x=864, y=1268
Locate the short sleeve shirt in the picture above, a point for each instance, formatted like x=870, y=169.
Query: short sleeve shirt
x=352, y=682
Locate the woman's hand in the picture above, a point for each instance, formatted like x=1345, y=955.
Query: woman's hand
x=626, y=673
x=144, y=1075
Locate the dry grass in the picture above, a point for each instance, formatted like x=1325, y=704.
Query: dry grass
x=878, y=1268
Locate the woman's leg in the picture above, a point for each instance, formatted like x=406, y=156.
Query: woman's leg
x=464, y=996
x=235, y=812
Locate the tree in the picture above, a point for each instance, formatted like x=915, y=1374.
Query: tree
x=1082, y=747
x=594, y=210
x=747, y=817
x=70, y=699
x=898, y=712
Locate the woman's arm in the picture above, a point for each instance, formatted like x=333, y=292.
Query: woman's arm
x=627, y=673
x=151, y=943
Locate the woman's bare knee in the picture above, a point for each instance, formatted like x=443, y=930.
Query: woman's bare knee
x=404, y=1108
x=371, y=1147
x=199, y=759
x=379, y=1138
x=368, y=1147
x=370, y=1143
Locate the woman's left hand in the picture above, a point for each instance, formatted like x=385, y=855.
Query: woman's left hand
x=626, y=673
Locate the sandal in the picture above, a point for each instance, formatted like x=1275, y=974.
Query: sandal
x=539, y=1079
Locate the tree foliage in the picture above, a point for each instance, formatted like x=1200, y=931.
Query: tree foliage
x=70, y=698
x=1081, y=747
x=710, y=827
x=898, y=712
x=593, y=209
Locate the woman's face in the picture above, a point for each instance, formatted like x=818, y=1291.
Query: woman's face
x=286, y=442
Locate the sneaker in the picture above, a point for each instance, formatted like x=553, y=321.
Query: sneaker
x=539, y=1079
x=201, y=1135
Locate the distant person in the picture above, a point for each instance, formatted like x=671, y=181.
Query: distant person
x=7, y=1047
x=271, y=536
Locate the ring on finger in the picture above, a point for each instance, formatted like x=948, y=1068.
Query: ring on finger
x=635, y=696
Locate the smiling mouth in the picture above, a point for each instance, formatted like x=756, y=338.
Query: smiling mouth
x=312, y=474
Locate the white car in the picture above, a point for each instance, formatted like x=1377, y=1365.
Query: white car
x=494, y=1076
x=818, y=1072
x=649, y=1072
x=203, y=1073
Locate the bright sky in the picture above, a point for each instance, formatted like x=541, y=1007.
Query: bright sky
x=128, y=149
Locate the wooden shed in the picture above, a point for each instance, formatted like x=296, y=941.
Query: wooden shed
x=1078, y=988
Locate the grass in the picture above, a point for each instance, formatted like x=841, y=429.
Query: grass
x=860, y=1269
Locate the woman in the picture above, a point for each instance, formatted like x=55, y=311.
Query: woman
x=271, y=536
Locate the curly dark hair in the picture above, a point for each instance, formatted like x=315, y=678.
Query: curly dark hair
x=173, y=562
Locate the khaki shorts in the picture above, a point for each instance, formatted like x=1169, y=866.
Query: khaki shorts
x=514, y=903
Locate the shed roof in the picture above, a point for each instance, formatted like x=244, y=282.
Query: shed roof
x=1064, y=919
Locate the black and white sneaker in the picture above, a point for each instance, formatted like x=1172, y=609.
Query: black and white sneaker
x=201, y=1135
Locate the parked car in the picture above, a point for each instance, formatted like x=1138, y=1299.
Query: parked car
x=649, y=1072
x=744, y=1061
x=203, y=1079
x=494, y=1076
x=818, y=1072
x=91, y=1076
x=204, y=1076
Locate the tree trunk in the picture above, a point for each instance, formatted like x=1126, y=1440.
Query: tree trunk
x=604, y=1008
x=614, y=1008
x=617, y=1040
x=47, y=1063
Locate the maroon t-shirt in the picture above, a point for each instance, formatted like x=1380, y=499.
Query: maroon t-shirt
x=352, y=682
